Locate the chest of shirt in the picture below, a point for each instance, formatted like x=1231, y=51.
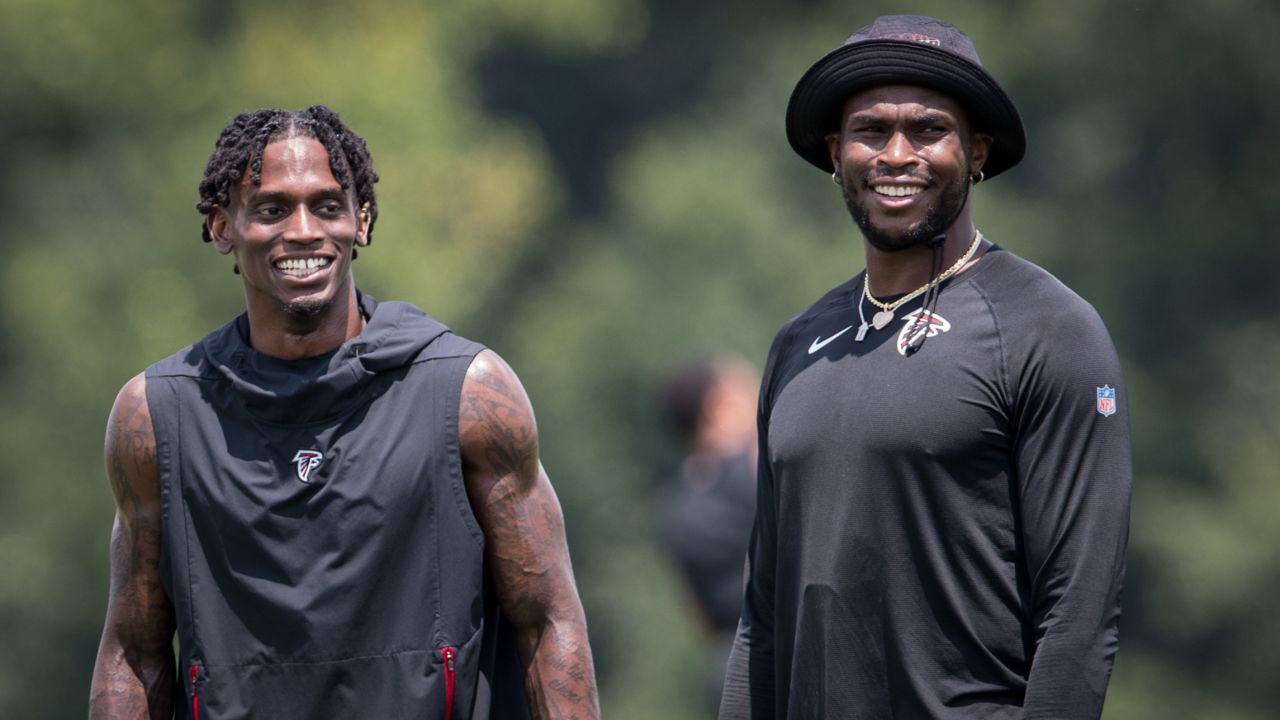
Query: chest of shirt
x=369, y=469
x=840, y=401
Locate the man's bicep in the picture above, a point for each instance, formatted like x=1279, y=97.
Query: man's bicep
x=1073, y=453
x=134, y=672
x=510, y=493
x=138, y=600
x=496, y=427
x=131, y=453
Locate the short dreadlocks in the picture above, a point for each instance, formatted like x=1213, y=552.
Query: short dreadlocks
x=240, y=146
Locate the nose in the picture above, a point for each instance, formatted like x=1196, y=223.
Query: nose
x=898, y=151
x=303, y=227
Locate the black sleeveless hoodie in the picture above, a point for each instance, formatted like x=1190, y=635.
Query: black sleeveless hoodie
x=319, y=547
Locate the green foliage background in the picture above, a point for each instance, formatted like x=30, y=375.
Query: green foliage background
x=599, y=188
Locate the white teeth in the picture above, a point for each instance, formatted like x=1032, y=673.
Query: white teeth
x=896, y=190
x=301, y=267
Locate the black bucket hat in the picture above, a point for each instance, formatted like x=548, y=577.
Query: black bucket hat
x=903, y=50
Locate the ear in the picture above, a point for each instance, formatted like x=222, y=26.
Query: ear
x=364, y=218
x=979, y=150
x=833, y=147
x=218, y=223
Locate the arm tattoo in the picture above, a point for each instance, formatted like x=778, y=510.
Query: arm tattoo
x=499, y=413
x=525, y=541
x=134, y=676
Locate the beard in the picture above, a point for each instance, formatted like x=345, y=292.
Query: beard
x=303, y=309
x=936, y=220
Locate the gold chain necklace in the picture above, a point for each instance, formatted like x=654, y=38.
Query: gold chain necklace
x=885, y=316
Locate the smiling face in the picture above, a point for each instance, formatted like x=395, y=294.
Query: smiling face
x=292, y=234
x=905, y=155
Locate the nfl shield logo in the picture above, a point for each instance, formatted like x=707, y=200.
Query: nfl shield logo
x=1107, y=401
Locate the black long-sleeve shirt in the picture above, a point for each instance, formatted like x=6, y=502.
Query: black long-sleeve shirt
x=938, y=535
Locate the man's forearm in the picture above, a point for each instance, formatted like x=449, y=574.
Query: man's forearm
x=748, y=683
x=1069, y=676
x=560, y=678
x=125, y=688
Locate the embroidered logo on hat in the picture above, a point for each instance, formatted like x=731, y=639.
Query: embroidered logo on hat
x=306, y=461
x=911, y=37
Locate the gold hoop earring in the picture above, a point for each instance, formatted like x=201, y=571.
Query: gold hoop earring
x=978, y=178
x=835, y=178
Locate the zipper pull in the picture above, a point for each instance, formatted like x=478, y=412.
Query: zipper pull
x=448, y=654
x=195, y=691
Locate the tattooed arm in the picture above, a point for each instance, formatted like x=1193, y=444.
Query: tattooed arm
x=134, y=676
x=525, y=543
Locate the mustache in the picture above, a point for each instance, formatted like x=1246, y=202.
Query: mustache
x=872, y=176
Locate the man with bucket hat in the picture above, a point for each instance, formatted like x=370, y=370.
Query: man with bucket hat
x=944, y=466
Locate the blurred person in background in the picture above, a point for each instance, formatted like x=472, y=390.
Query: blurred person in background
x=335, y=502
x=945, y=464
x=710, y=403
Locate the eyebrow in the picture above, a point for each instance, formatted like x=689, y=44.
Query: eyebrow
x=929, y=117
x=934, y=117
x=257, y=195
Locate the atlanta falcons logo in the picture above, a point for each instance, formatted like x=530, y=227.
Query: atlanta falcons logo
x=933, y=324
x=306, y=461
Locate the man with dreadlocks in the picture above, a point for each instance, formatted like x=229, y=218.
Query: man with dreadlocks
x=943, y=478
x=335, y=502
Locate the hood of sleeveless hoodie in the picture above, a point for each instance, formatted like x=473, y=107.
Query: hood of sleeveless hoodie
x=301, y=392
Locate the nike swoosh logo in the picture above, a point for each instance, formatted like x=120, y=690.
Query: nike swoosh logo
x=819, y=343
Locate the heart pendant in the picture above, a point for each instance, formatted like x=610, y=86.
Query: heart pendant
x=881, y=319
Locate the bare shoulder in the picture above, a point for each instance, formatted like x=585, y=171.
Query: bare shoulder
x=131, y=449
x=132, y=397
x=496, y=426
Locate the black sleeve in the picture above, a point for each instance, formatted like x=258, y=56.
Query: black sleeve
x=1074, y=476
x=749, y=680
